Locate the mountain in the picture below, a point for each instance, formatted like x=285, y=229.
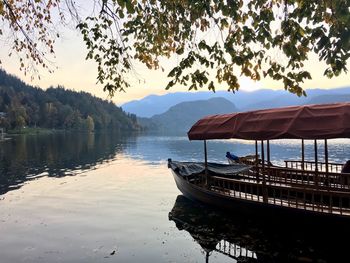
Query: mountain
x=314, y=96
x=156, y=104
x=181, y=117
x=57, y=108
x=243, y=100
x=330, y=98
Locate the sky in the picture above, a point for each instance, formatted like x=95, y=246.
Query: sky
x=74, y=72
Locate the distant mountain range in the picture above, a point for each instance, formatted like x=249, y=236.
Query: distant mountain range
x=181, y=117
x=243, y=100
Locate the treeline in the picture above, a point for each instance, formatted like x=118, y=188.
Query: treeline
x=57, y=108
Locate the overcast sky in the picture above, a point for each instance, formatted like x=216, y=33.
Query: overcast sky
x=74, y=72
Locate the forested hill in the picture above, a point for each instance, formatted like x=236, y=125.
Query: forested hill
x=23, y=105
x=182, y=116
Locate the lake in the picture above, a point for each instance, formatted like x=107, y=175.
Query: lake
x=106, y=197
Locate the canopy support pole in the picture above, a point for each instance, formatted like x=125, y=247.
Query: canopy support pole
x=326, y=161
x=206, y=163
x=268, y=157
x=256, y=161
x=326, y=155
x=302, y=155
x=262, y=154
x=268, y=152
x=316, y=163
x=263, y=172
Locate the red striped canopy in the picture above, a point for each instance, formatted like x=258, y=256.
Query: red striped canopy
x=323, y=121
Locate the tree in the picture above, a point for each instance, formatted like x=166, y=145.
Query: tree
x=20, y=122
x=90, y=124
x=247, y=35
x=57, y=108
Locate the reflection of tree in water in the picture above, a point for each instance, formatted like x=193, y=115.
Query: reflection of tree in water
x=56, y=155
x=246, y=238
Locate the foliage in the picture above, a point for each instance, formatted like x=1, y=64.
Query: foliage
x=20, y=122
x=58, y=108
x=29, y=25
x=90, y=123
x=215, y=39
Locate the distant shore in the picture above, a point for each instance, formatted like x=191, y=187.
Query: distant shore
x=31, y=130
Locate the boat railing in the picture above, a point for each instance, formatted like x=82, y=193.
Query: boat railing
x=274, y=175
x=312, y=199
x=304, y=178
x=311, y=166
x=307, y=179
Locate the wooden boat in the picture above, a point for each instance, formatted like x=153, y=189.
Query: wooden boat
x=301, y=187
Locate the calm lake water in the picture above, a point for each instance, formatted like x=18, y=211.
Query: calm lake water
x=111, y=198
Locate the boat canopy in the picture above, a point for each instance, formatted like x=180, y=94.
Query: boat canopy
x=186, y=169
x=323, y=121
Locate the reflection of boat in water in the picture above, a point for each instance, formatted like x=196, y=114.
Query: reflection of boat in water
x=302, y=187
x=256, y=240
x=208, y=229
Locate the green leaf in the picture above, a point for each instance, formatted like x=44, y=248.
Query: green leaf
x=129, y=6
x=121, y=3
